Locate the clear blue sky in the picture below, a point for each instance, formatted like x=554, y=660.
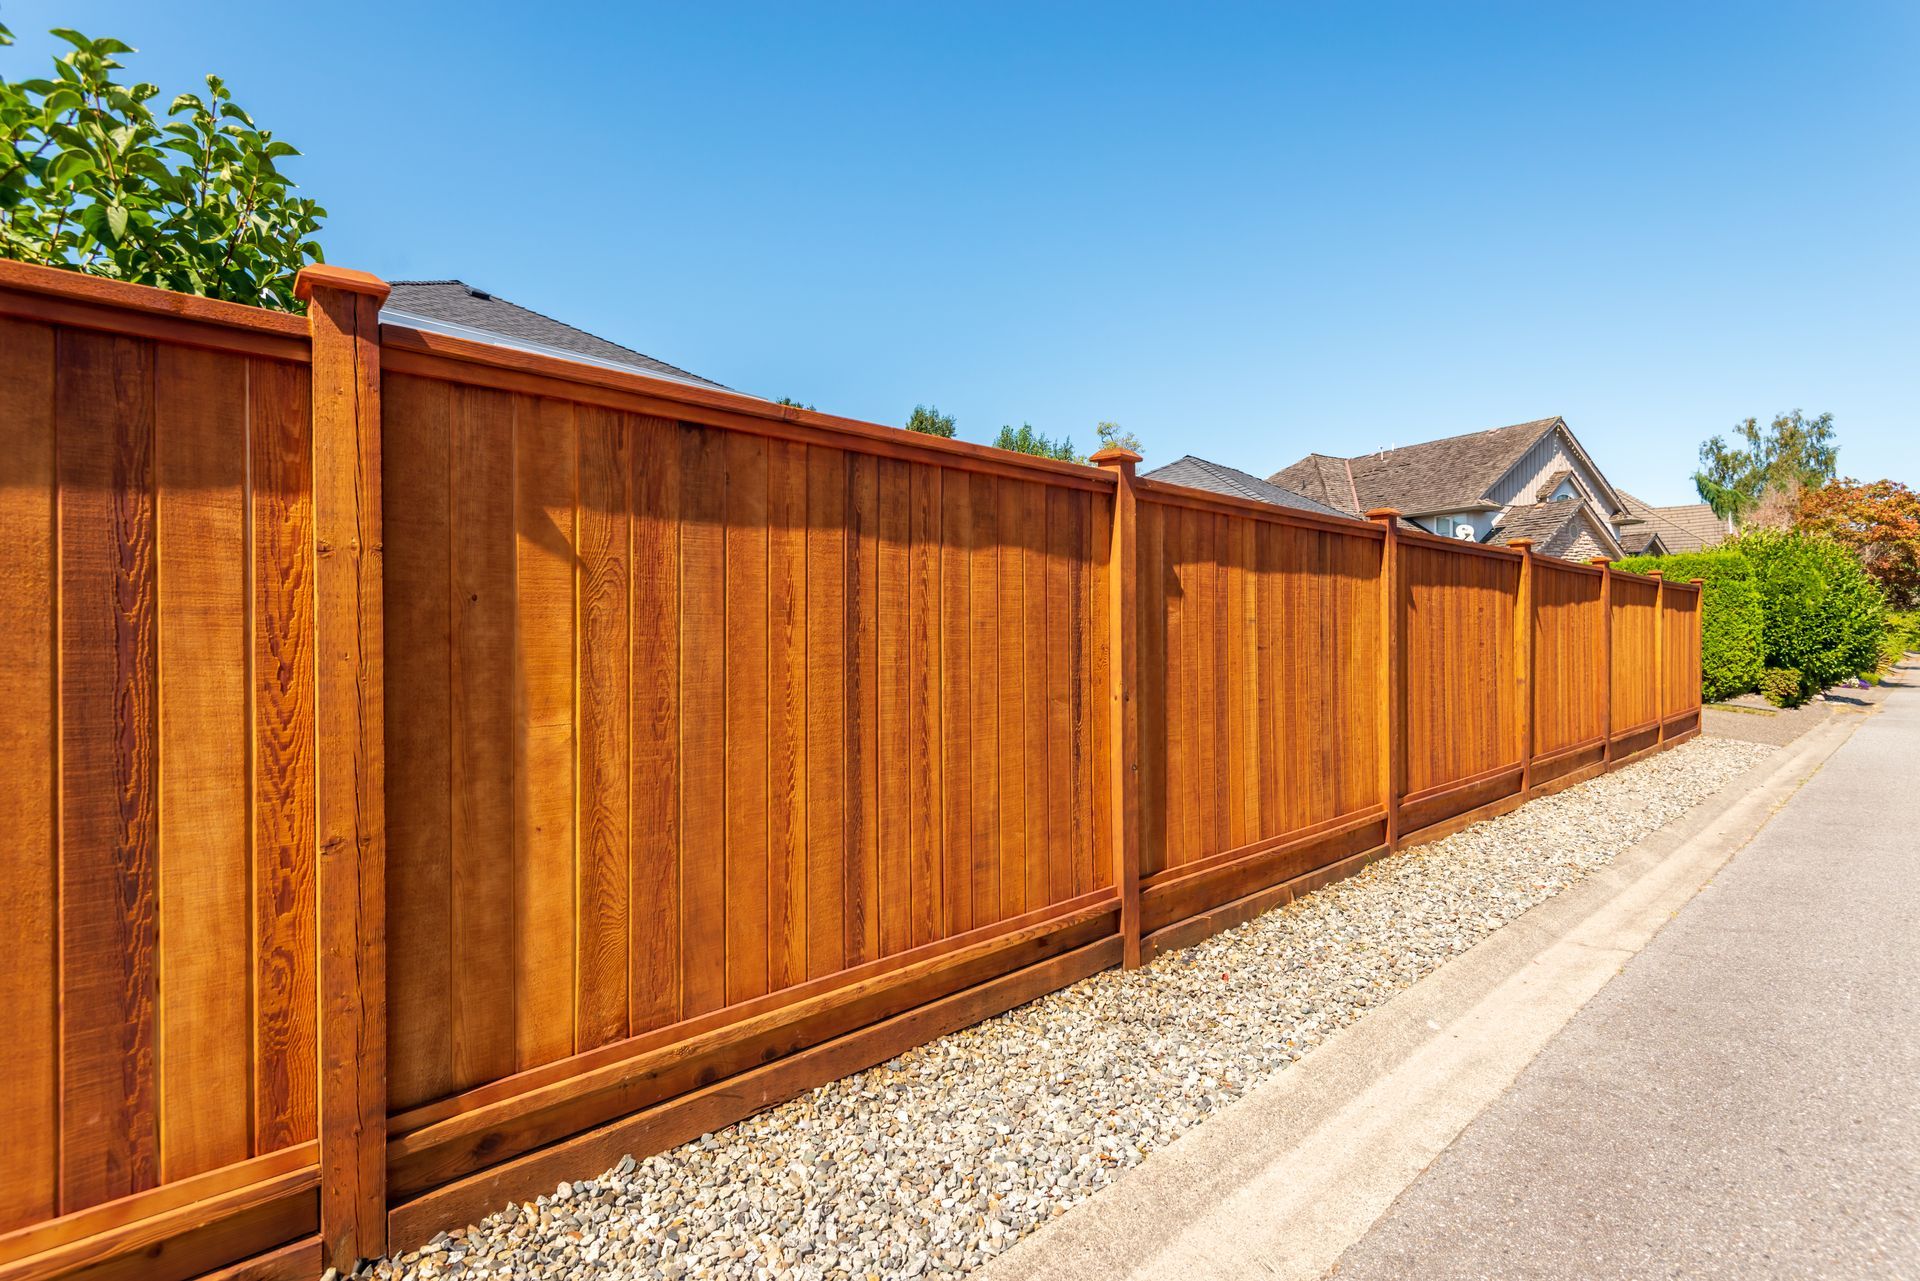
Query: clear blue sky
x=1246, y=234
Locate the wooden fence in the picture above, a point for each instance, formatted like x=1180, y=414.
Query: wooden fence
x=434, y=771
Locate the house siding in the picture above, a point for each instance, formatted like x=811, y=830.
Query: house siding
x=1548, y=455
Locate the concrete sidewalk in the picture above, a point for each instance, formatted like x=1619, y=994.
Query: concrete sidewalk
x=1283, y=1182
x=1744, y=1100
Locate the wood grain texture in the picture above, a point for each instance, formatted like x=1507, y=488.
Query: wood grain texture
x=862, y=738
x=894, y=889
x=545, y=622
x=419, y=612
x=986, y=830
x=29, y=875
x=200, y=470
x=603, y=881
x=108, y=858
x=654, y=996
x=826, y=710
x=746, y=717
x=925, y=676
x=786, y=715
x=349, y=780
x=703, y=723
x=285, y=838
x=956, y=704
x=481, y=484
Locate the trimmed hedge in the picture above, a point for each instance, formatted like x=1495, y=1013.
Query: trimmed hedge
x=1731, y=655
x=1821, y=613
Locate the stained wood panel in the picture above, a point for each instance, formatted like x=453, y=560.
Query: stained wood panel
x=1680, y=651
x=200, y=474
x=1568, y=650
x=1260, y=647
x=109, y=857
x=159, y=1001
x=1633, y=657
x=29, y=875
x=1460, y=665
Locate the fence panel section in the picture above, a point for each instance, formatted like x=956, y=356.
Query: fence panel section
x=1462, y=735
x=1635, y=662
x=1680, y=657
x=695, y=722
x=156, y=777
x=1261, y=650
x=1569, y=663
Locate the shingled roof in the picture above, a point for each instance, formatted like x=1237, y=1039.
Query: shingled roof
x=1689, y=527
x=456, y=308
x=1218, y=478
x=1437, y=476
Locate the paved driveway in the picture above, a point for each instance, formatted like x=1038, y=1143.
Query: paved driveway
x=1744, y=1100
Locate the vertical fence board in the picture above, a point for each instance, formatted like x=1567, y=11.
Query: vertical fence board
x=826, y=710
x=200, y=468
x=108, y=871
x=745, y=764
x=925, y=734
x=605, y=701
x=29, y=875
x=545, y=478
x=862, y=750
x=419, y=609
x=703, y=723
x=285, y=983
x=654, y=995
x=1010, y=711
x=894, y=886
x=1036, y=825
x=956, y=706
x=481, y=483
x=787, y=715
x=988, y=748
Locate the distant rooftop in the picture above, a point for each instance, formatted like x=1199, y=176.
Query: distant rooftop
x=1198, y=473
x=457, y=309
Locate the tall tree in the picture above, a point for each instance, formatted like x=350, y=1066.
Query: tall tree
x=1790, y=454
x=929, y=421
x=1880, y=522
x=1113, y=434
x=93, y=179
x=1028, y=441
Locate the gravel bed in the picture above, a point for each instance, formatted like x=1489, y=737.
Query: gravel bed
x=932, y=1163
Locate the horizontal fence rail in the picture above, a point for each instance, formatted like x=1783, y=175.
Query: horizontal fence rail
x=435, y=770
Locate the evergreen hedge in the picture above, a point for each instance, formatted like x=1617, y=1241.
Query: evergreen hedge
x=1822, y=615
x=1731, y=619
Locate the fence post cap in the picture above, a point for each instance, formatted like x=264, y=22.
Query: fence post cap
x=346, y=279
x=1655, y=573
x=1383, y=513
x=1114, y=455
x=1599, y=560
x=1697, y=581
x=1522, y=544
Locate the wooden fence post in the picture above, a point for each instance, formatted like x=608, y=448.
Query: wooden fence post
x=1393, y=769
x=1699, y=586
x=343, y=309
x=1606, y=658
x=1659, y=655
x=1122, y=677
x=1523, y=660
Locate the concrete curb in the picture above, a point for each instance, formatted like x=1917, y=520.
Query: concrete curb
x=1283, y=1181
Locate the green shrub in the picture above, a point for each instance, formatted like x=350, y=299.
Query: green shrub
x=1820, y=613
x=1903, y=630
x=1730, y=618
x=1783, y=687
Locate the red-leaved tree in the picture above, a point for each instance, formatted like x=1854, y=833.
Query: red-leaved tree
x=1880, y=521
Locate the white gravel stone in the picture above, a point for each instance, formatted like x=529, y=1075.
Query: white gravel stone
x=934, y=1162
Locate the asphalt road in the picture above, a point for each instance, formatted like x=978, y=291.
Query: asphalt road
x=1744, y=1099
